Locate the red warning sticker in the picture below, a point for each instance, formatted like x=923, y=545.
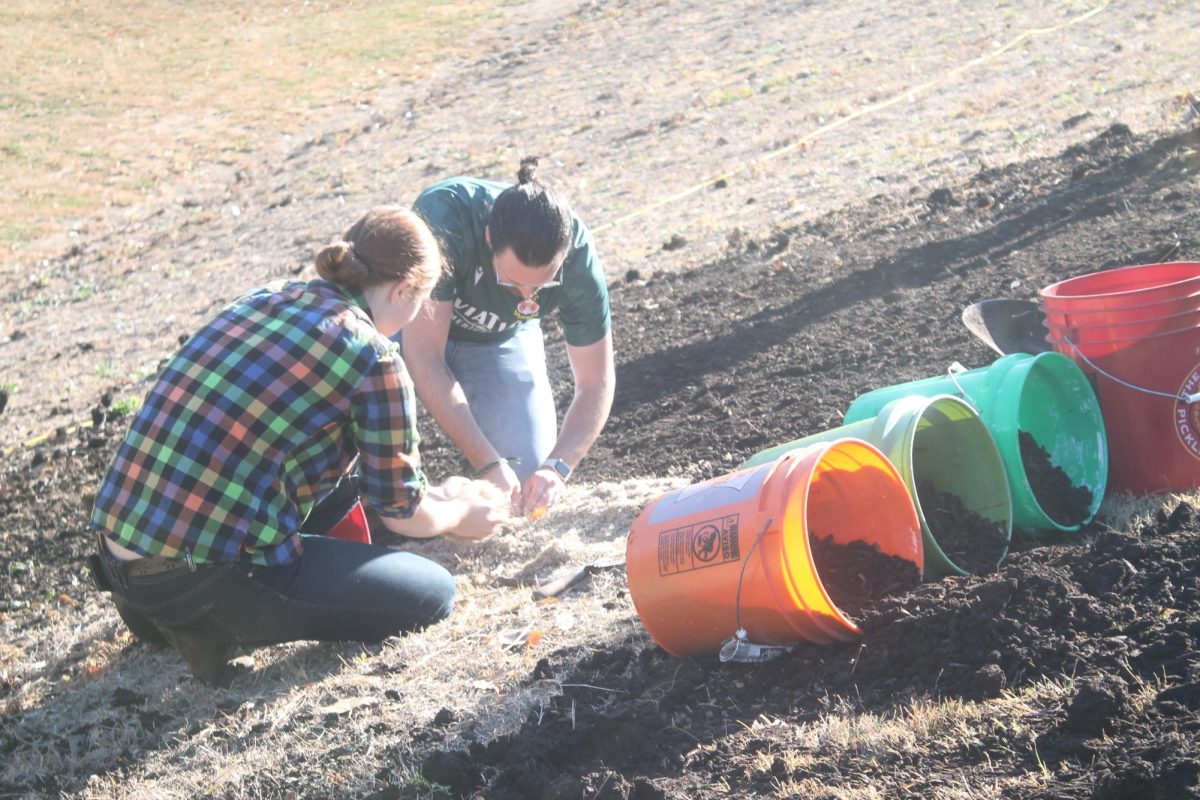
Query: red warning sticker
x=704, y=544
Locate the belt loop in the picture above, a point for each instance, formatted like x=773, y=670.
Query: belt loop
x=113, y=568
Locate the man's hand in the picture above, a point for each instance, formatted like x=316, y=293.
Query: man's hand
x=544, y=488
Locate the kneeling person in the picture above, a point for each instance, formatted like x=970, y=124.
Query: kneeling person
x=516, y=254
x=248, y=440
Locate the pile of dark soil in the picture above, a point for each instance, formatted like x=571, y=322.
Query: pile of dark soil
x=857, y=574
x=1108, y=614
x=1063, y=501
x=972, y=542
x=48, y=491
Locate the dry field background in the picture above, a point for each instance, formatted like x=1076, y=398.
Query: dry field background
x=161, y=157
x=104, y=105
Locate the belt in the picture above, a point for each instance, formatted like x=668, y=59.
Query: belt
x=151, y=565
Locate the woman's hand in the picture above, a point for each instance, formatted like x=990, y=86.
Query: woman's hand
x=484, y=508
x=504, y=478
x=544, y=488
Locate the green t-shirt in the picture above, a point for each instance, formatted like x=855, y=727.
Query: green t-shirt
x=457, y=210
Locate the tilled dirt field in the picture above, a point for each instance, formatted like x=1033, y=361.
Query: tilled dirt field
x=1088, y=640
x=773, y=344
x=746, y=314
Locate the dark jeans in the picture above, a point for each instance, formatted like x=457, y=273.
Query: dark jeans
x=336, y=591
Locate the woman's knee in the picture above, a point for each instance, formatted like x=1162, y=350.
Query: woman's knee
x=442, y=593
x=420, y=588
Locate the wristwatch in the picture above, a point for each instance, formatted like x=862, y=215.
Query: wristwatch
x=558, y=465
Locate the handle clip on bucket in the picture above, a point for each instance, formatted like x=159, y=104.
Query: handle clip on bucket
x=737, y=648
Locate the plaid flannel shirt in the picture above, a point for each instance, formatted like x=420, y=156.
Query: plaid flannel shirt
x=254, y=419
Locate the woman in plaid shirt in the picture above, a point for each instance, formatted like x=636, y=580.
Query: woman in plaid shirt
x=247, y=440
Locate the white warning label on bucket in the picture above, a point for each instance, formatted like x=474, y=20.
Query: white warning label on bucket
x=704, y=544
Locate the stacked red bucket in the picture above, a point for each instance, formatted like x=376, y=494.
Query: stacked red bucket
x=1136, y=331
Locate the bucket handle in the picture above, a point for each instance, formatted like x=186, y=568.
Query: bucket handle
x=953, y=371
x=737, y=647
x=1186, y=398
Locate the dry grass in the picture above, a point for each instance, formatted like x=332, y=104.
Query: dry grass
x=102, y=104
x=923, y=729
x=331, y=714
x=1125, y=512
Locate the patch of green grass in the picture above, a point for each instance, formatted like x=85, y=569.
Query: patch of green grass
x=125, y=405
x=81, y=292
x=106, y=369
x=14, y=232
x=723, y=97
x=418, y=787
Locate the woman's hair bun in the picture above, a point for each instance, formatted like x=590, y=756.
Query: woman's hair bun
x=339, y=263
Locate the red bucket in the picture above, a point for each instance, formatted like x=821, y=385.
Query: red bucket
x=353, y=527
x=1146, y=368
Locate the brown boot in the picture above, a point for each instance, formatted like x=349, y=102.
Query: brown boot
x=206, y=659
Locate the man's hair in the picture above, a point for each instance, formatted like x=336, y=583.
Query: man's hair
x=531, y=218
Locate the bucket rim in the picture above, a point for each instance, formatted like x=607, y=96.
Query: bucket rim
x=938, y=402
x=1056, y=292
x=1189, y=302
x=1060, y=334
x=1064, y=365
x=1195, y=312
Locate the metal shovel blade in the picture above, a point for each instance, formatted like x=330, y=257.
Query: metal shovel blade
x=1007, y=326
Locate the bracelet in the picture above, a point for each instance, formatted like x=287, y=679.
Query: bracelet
x=486, y=468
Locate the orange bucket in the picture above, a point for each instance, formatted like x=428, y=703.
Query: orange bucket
x=733, y=552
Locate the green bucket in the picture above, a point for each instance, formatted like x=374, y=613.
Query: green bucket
x=1046, y=396
x=938, y=439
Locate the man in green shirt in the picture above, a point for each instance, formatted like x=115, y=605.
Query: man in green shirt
x=476, y=353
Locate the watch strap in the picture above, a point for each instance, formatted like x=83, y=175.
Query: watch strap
x=558, y=465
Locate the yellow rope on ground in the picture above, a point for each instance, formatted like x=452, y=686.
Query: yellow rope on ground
x=846, y=120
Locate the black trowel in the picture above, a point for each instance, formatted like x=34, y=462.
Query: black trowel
x=1007, y=326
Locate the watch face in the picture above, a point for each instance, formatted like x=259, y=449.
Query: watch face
x=561, y=467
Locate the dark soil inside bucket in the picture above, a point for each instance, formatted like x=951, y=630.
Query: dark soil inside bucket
x=857, y=574
x=1063, y=501
x=974, y=543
